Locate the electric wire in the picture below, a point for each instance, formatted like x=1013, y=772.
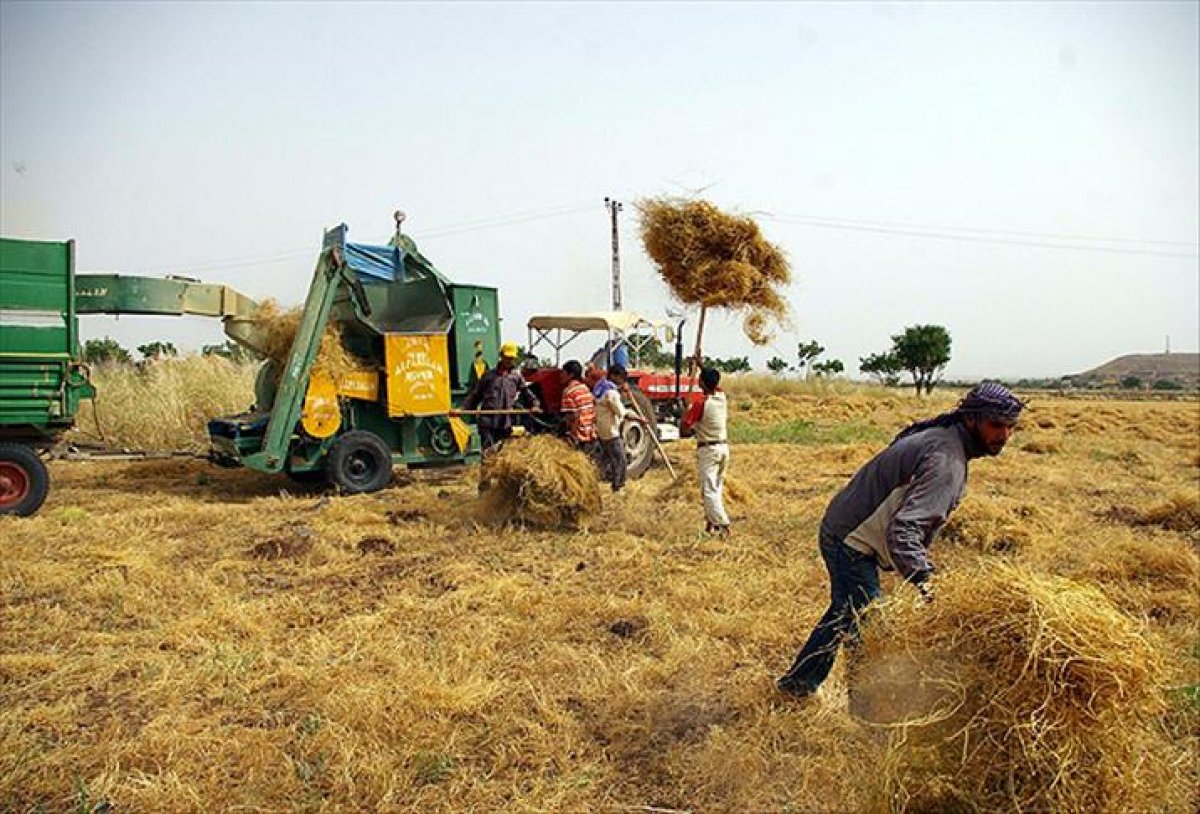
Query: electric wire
x=896, y=228
x=982, y=230
x=479, y=224
x=964, y=238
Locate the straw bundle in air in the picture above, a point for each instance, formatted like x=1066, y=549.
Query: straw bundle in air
x=713, y=259
x=1014, y=691
x=280, y=327
x=539, y=480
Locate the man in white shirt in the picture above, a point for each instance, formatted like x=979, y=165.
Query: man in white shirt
x=610, y=416
x=707, y=419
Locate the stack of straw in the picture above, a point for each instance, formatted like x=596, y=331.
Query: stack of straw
x=713, y=259
x=1014, y=691
x=280, y=328
x=539, y=480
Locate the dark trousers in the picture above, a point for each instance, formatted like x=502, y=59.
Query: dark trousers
x=490, y=437
x=853, y=584
x=613, y=462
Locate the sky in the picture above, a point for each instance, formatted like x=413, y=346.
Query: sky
x=1024, y=174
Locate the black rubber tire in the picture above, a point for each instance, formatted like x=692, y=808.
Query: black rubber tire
x=24, y=480
x=359, y=462
x=639, y=447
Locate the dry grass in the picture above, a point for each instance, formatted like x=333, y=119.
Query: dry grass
x=539, y=480
x=164, y=405
x=714, y=259
x=1032, y=693
x=176, y=637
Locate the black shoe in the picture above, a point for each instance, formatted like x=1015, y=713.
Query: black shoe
x=794, y=689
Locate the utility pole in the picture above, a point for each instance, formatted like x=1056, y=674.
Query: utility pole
x=614, y=207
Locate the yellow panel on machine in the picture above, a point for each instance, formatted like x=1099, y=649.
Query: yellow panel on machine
x=418, y=374
x=321, y=415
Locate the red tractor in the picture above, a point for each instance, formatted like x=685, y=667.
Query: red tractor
x=619, y=336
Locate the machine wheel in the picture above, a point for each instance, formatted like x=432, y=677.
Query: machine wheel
x=359, y=462
x=639, y=446
x=24, y=480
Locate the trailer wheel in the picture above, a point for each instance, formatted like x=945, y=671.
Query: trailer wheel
x=639, y=446
x=24, y=480
x=359, y=462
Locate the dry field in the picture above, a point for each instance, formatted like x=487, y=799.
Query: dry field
x=176, y=637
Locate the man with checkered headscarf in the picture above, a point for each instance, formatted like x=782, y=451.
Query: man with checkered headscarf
x=889, y=513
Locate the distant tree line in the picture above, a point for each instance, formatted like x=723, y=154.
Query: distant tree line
x=110, y=351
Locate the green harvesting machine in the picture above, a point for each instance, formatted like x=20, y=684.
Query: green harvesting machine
x=414, y=342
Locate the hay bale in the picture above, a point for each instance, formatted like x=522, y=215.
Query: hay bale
x=1030, y=693
x=713, y=259
x=540, y=480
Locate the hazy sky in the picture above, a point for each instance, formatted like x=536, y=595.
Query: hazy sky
x=920, y=163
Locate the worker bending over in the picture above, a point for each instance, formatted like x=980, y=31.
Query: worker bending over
x=889, y=513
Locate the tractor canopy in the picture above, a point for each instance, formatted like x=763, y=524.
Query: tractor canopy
x=626, y=328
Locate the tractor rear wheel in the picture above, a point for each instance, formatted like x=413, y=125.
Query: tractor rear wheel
x=359, y=462
x=639, y=446
x=24, y=480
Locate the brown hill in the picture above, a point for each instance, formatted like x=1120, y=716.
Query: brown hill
x=1181, y=368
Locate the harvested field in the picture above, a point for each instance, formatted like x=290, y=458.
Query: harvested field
x=177, y=637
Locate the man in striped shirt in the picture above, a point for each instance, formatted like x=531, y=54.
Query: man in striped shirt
x=579, y=407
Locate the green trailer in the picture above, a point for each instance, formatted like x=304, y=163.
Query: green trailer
x=42, y=378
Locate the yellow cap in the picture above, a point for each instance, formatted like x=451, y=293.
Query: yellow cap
x=509, y=349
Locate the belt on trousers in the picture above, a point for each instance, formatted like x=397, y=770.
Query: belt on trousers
x=709, y=443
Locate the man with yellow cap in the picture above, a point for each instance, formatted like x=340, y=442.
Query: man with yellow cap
x=497, y=394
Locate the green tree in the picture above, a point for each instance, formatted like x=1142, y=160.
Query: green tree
x=924, y=351
x=738, y=364
x=157, y=350
x=97, y=351
x=885, y=368
x=776, y=365
x=828, y=368
x=1166, y=384
x=808, y=351
x=1131, y=383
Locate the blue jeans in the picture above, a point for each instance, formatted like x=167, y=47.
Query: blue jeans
x=853, y=584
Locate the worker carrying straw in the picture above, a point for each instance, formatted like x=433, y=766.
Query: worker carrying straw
x=889, y=514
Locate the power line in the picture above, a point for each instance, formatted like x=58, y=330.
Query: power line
x=495, y=222
x=968, y=238
x=982, y=230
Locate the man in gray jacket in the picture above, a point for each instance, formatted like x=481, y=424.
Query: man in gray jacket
x=889, y=513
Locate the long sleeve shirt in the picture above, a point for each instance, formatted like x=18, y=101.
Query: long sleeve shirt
x=895, y=505
x=499, y=390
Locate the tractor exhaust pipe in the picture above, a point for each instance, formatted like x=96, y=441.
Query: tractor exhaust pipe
x=679, y=359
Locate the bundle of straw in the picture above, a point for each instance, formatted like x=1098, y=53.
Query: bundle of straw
x=713, y=259
x=279, y=327
x=1014, y=691
x=539, y=480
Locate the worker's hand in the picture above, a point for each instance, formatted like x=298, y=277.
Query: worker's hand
x=537, y=408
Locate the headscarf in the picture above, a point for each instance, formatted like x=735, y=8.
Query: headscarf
x=984, y=400
x=602, y=387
